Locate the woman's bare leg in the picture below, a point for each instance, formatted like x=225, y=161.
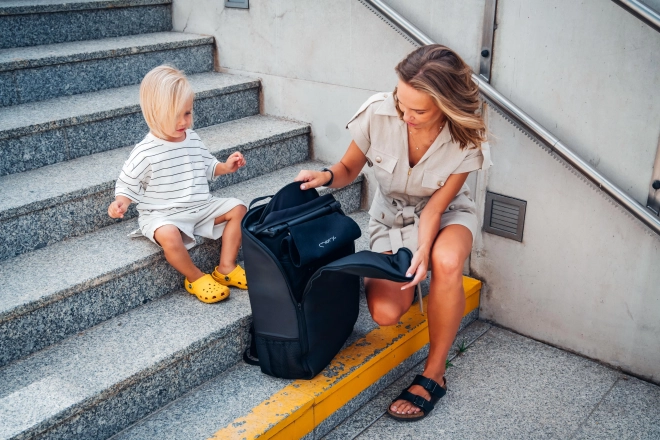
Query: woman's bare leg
x=446, y=305
x=231, y=238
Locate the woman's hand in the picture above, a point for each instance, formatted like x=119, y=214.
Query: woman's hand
x=312, y=179
x=418, y=267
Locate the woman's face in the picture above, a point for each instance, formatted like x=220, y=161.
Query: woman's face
x=418, y=108
x=183, y=121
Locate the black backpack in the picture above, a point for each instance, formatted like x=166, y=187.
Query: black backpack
x=304, y=279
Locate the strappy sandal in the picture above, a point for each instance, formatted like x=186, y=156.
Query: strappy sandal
x=235, y=278
x=207, y=290
x=426, y=406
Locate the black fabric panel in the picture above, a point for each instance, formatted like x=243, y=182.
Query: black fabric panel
x=281, y=358
x=330, y=311
x=273, y=310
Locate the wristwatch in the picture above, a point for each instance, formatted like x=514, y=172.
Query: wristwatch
x=332, y=176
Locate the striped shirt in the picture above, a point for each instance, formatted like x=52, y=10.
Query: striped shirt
x=163, y=175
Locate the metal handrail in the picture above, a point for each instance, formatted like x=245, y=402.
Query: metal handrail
x=528, y=124
x=641, y=11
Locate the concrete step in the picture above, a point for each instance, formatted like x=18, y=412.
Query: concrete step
x=47, y=205
x=38, y=73
x=507, y=386
x=103, y=379
x=35, y=22
x=243, y=403
x=38, y=134
x=72, y=285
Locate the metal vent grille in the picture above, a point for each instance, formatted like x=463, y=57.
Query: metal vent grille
x=505, y=216
x=241, y=4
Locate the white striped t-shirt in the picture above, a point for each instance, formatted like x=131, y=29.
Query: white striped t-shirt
x=162, y=175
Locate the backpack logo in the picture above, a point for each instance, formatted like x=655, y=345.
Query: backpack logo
x=329, y=240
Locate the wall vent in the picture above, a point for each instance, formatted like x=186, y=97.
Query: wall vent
x=505, y=216
x=241, y=4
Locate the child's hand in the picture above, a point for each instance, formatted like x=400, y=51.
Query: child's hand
x=234, y=162
x=117, y=209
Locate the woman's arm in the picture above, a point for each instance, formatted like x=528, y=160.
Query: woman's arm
x=345, y=171
x=429, y=226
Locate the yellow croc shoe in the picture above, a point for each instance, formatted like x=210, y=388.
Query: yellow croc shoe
x=207, y=290
x=235, y=278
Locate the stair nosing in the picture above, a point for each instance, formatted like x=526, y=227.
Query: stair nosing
x=131, y=105
x=11, y=212
x=22, y=62
x=66, y=6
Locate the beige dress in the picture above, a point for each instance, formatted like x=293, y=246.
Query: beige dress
x=402, y=191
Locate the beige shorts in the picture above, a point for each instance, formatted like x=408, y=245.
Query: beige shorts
x=198, y=220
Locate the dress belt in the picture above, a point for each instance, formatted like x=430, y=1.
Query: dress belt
x=404, y=215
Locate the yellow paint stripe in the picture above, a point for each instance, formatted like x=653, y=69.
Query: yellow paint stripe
x=298, y=408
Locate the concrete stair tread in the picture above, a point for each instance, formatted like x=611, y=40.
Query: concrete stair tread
x=72, y=376
x=52, y=184
x=98, y=256
x=231, y=403
x=60, y=53
x=11, y=7
x=34, y=117
x=64, y=379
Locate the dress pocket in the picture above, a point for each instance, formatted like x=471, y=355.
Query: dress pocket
x=384, y=165
x=433, y=181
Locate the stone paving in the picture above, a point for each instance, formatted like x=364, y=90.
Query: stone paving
x=507, y=386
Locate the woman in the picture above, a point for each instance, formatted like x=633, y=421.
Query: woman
x=423, y=140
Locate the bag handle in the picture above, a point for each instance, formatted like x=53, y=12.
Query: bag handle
x=259, y=199
x=250, y=353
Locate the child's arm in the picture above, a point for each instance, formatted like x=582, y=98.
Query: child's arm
x=118, y=208
x=233, y=163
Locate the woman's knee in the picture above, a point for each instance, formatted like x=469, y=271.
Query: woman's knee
x=446, y=262
x=384, y=313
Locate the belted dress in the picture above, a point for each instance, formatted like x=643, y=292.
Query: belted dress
x=403, y=191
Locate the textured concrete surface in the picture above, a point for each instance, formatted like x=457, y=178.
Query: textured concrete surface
x=10, y=7
x=200, y=413
x=44, y=206
x=102, y=380
x=365, y=413
x=34, y=27
x=111, y=119
x=74, y=52
x=506, y=386
x=43, y=306
x=51, y=71
x=217, y=403
x=92, y=107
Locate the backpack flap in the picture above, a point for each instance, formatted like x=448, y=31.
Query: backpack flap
x=319, y=238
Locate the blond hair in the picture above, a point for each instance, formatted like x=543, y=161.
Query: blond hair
x=163, y=93
x=441, y=73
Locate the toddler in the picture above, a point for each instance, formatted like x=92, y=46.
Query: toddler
x=167, y=175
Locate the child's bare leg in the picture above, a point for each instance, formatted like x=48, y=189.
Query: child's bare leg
x=169, y=238
x=231, y=238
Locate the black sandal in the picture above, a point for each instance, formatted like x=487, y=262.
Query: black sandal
x=426, y=406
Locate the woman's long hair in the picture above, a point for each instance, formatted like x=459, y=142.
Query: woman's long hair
x=440, y=72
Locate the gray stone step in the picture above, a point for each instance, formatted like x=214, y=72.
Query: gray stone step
x=100, y=381
x=218, y=402
x=44, y=206
x=42, y=133
x=38, y=73
x=35, y=22
x=72, y=285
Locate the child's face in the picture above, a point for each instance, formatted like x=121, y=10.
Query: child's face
x=183, y=121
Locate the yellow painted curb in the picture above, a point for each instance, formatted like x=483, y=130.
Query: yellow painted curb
x=298, y=408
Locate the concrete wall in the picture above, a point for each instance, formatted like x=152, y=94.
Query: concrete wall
x=583, y=276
